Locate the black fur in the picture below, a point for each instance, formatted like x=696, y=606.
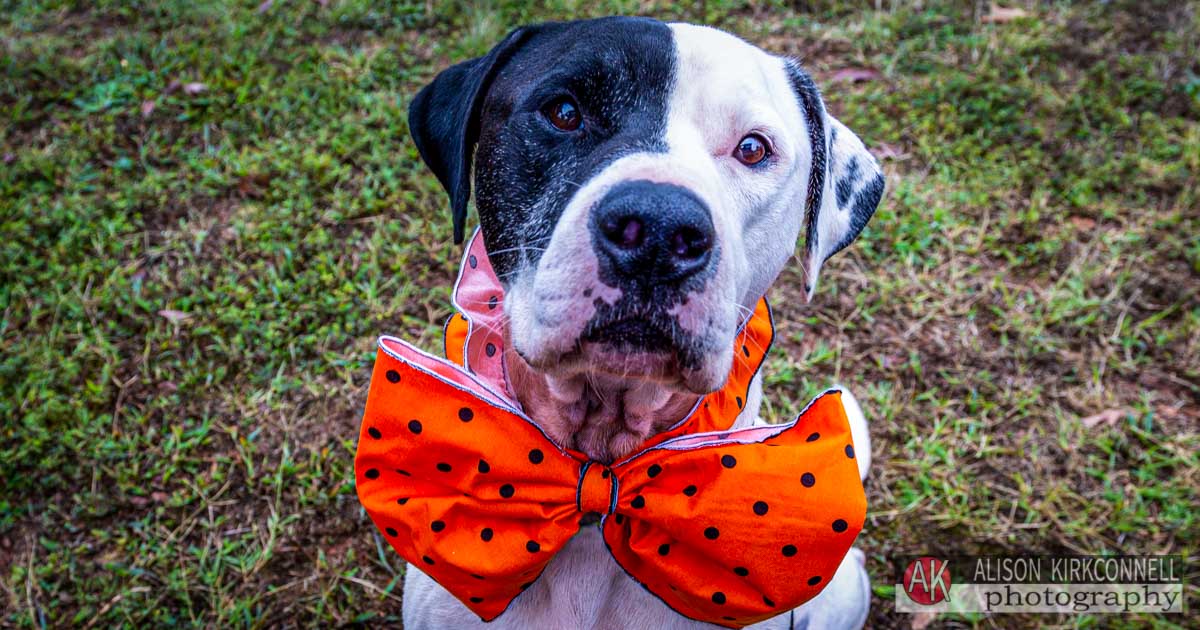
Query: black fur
x=865, y=203
x=814, y=115
x=525, y=169
x=444, y=120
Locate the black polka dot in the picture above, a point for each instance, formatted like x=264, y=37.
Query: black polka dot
x=728, y=461
x=402, y=500
x=839, y=526
x=473, y=261
x=391, y=531
x=690, y=491
x=466, y=415
x=414, y=426
x=814, y=437
x=711, y=533
x=443, y=466
x=653, y=471
x=807, y=480
x=490, y=349
x=814, y=580
x=742, y=571
x=373, y=432
x=483, y=466
x=850, y=451
x=476, y=600
x=664, y=549
x=401, y=471
x=718, y=598
x=532, y=546
x=768, y=602
x=760, y=507
x=745, y=350
x=536, y=456
x=393, y=376
x=486, y=534
x=738, y=399
x=437, y=526
x=604, y=473
x=427, y=560
x=492, y=301
x=620, y=519
x=788, y=550
x=507, y=491
x=638, y=502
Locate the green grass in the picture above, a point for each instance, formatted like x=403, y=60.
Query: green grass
x=193, y=279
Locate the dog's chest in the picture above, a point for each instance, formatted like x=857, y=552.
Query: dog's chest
x=583, y=587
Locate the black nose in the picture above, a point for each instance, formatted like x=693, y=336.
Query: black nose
x=652, y=233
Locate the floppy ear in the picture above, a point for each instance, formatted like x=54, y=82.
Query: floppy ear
x=444, y=120
x=845, y=184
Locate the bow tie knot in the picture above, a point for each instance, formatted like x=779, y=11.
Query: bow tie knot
x=597, y=489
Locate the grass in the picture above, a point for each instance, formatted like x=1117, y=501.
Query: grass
x=209, y=211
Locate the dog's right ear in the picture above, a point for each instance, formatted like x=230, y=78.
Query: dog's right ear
x=444, y=120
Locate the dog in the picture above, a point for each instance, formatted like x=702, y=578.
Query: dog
x=639, y=186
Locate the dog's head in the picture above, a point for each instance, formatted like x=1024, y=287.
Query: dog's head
x=639, y=186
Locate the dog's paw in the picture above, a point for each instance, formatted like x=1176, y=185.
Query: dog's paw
x=858, y=430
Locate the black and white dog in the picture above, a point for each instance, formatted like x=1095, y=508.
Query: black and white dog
x=639, y=186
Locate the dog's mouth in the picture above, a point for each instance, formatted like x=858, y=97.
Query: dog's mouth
x=642, y=347
x=634, y=334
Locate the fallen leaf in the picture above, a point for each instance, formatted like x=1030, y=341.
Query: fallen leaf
x=265, y=6
x=855, y=75
x=1107, y=417
x=885, y=151
x=9, y=158
x=921, y=620
x=147, y=108
x=174, y=316
x=1001, y=15
x=160, y=497
x=173, y=86
x=194, y=88
x=1083, y=223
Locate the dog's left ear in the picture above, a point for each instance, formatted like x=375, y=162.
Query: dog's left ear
x=845, y=184
x=443, y=119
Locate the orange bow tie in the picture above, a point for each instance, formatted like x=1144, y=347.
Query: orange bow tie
x=728, y=527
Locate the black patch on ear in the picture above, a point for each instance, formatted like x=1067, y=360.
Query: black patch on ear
x=814, y=115
x=845, y=185
x=865, y=203
x=444, y=120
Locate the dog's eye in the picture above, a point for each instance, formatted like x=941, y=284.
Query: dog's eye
x=563, y=114
x=751, y=150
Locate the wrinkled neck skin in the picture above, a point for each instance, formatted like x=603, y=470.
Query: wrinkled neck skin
x=604, y=417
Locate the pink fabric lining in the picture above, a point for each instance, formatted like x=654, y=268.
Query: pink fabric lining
x=480, y=298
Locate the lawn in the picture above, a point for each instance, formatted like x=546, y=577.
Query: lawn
x=210, y=211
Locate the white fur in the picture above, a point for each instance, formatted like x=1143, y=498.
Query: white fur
x=833, y=222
